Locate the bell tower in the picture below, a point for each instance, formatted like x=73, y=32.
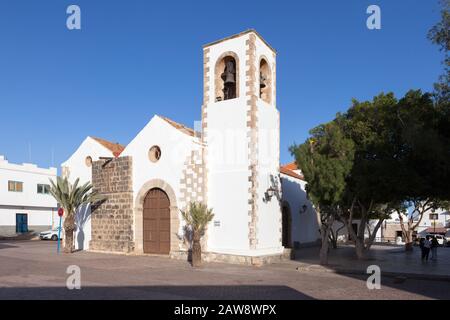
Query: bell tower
x=240, y=133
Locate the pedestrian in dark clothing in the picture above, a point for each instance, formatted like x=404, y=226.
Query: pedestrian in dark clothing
x=434, y=246
x=426, y=249
x=422, y=248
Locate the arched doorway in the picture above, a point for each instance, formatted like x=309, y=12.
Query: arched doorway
x=286, y=227
x=156, y=224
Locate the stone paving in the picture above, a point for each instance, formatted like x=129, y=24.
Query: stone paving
x=390, y=259
x=33, y=270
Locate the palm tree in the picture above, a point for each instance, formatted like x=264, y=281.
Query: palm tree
x=71, y=198
x=197, y=218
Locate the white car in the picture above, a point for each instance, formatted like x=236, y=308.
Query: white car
x=49, y=235
x=440, y=238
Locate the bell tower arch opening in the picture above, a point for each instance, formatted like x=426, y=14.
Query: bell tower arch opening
x=227, y=77
x=265, y=81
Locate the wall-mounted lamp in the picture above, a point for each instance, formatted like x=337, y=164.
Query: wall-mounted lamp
x=303, y=209
x=269, y=193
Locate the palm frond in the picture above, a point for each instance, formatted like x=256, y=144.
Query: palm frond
x=72, y=197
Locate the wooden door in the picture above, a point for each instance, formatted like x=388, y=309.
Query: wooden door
x=286, y=227
x=156, y=222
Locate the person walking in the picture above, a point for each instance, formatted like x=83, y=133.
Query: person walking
x=434, y=246
x=422, y=248
x=426, y=249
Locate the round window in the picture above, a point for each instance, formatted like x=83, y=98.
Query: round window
x=88, y=161
x=154, y=154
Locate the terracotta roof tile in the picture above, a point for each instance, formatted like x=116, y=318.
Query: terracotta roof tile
x=288, y=169
x=291, y=173
x=291, y=166
x=436, y=230
x=115, y=148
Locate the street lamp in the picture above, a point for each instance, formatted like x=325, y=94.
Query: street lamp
x=434, y=217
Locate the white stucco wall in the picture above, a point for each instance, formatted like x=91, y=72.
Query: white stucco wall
x=305, y=225
x=227, y=166
x=36, y=217
x=344, y=236
x=77, y=168
x=269, y=213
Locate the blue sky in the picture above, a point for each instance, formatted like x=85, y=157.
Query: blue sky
x=133, y=59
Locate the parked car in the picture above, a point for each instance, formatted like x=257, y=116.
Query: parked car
x=49, y=235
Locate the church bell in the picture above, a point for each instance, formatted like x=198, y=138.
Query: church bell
x=262, y=81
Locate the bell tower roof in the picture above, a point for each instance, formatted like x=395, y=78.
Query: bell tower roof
x=239, y=35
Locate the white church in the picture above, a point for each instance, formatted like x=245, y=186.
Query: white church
x=231, y=163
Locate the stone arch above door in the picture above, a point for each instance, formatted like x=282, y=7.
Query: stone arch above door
x=138, y=214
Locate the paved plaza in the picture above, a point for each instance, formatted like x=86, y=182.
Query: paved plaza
x=33, y=270
x=392, y=260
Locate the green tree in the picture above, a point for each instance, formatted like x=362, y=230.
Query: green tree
x=197, y=218
x=440, y=35
x=326, y=159
x=370, y=187
x=71, y=198
x=424, y=162
x=400, y=154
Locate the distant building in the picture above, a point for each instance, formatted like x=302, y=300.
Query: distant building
x=432, y=222
x=25, y=202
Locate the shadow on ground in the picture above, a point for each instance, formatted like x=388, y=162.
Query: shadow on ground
x=31, y=235
x=4, y=245
x=156, y=293
x=399, y=269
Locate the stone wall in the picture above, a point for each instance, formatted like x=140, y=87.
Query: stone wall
x=112, y=221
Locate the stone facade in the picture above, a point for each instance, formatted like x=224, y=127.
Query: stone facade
x=112, y=221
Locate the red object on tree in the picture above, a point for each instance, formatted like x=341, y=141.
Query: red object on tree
x=60, y=212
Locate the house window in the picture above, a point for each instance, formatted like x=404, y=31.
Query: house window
x=43, y=188
x=15, y=186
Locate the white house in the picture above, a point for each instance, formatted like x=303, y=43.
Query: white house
x=231, y=164
x=25, y=202
x=301, y=223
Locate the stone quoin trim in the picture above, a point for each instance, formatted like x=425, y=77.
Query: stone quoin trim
x=175, y=242
x=252, y=138
x=206, y=77
x=192, y=186
x=274, y=80
x=279, y=176
x=204, y=135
